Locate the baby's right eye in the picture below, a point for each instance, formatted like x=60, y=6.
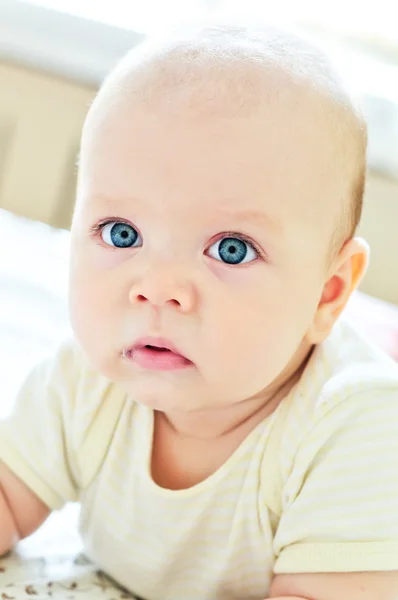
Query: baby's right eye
x=120, y=235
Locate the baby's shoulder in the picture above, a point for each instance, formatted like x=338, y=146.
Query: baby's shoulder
x=344, y=365
x=90, y=405
x=67, y=375
x=89, y=391
x=345, y=379
x=86, y=401
x=346, y=399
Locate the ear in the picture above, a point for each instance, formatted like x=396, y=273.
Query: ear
x=343, y=277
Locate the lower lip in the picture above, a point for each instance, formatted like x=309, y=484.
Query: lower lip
x=157, y=360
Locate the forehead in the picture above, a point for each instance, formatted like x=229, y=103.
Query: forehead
x=271, y=160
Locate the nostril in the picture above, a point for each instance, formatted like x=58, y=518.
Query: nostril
x=157, y=299
x=142, y=298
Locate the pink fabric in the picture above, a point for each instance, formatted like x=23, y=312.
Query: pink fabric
x=376, y=319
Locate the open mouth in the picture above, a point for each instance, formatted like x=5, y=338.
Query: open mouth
x=156, y=356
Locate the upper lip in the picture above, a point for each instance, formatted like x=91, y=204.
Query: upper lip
x=157, y=342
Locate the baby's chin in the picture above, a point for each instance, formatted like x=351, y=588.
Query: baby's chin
x=167, y=397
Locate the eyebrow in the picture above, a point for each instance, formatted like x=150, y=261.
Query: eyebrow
x=258, y=218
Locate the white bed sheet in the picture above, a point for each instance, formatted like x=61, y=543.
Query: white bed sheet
x=33, y=297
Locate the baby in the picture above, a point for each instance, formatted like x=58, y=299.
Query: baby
x=226, y=435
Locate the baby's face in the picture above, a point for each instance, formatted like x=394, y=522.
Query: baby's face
x=203, y=231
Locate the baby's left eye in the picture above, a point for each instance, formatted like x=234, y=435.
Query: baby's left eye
x=233, y=251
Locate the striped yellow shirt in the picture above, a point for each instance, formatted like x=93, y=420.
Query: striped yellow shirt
x=313, y=488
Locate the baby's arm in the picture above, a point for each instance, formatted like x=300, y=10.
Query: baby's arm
x=336, y=586
x=21, y=511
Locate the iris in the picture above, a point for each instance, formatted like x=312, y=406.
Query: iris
x=232, y=250
x=123, y=235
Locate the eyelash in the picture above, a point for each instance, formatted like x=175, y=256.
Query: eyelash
x=239, y=236
x=96, y=229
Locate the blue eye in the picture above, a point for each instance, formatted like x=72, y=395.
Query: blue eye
x=120, y=235
x=233, y=251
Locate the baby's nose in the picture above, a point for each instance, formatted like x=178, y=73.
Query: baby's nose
x=164, y=287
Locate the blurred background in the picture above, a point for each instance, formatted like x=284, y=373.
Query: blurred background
x=54, y=54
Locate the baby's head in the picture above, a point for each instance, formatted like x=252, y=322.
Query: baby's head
x=220, y=186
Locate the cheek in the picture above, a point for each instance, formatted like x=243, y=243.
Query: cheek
x=90, y=299
x=253, y=324
x=94, y=281
x=92, y=317
x=262, y=324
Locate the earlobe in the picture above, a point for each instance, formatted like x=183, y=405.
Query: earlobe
x=344, y=277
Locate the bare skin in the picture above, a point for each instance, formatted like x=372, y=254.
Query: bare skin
x=21, y=511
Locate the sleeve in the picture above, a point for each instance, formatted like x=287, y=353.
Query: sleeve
x=340, y=500
x=36, y=440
